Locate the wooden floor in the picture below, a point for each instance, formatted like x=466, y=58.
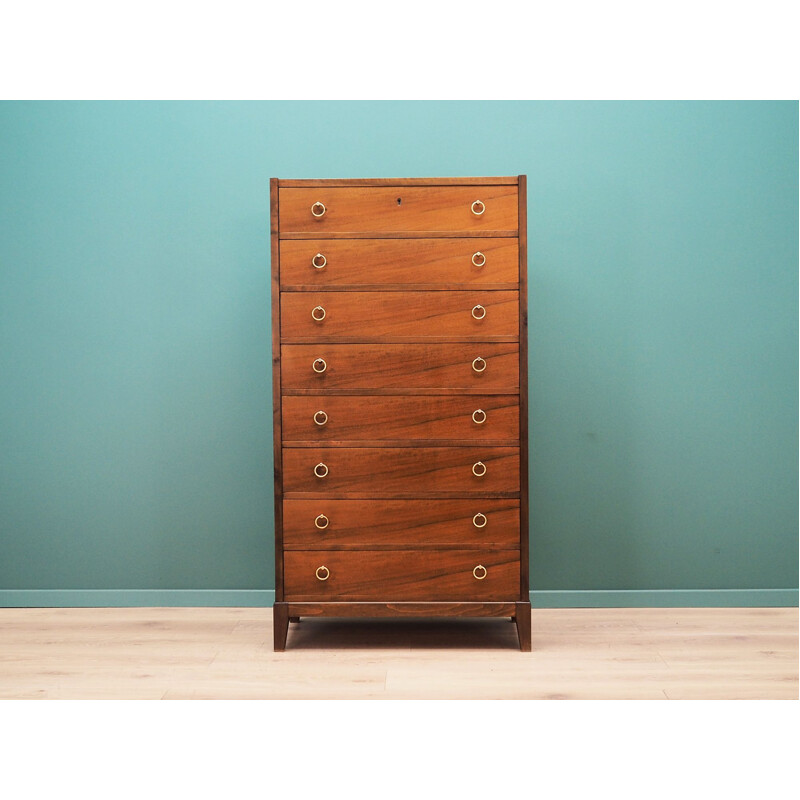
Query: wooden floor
x=227, y=653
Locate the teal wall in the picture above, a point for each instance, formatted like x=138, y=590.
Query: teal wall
x=135, y=431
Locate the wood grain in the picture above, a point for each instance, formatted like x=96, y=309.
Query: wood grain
x=389, y=417
x=280, y=625
x=226, y=653
x=394, y=284
x=384, y=472
x=359, y=316
x=508, y=180
x=401, y=575
x=277, y=434
x=400, y=523
x=522, y=617
x=428, y=209
x=397, y=235
x=523, y=394
x=355, y=609
x=440, y=366
x=427, y=263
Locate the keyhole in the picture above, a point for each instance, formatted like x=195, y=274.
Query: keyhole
x=399, y=200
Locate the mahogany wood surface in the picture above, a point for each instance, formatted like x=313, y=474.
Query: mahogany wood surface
x=468, y=181
x=383, y=472
x=441, y=366
x=399, y=523
x=523, y=399
x=358, y=316
x=402, y=609
x=397, y=235
x=522, y=616
x=401, y=417
x=428, y=209
x=280, y=625
x=391, y=267
x=277, y=435
x=427, y=263
x=388, y=575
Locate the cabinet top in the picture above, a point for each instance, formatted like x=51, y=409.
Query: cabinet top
x=490, y=181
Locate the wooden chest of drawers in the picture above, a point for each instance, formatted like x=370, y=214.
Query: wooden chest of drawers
x=399, y=331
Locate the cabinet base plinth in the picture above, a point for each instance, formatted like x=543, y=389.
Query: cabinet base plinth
x=519, y=612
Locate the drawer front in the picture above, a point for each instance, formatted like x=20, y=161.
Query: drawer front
x=325, y=418
x=479, y=315
x=393, y=209
x=401, y=366
x=431, y=262
x=399, y=471
x=401, y=575
x=321, y=524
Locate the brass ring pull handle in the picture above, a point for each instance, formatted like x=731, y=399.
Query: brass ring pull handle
x=480, y=572
x=478, y=259
x=479, y=520
x=318, y=313
x=319, y=365
x=477, y=208
x=318, y=209
x=478, y=312
x=479, y=416
x=320, y=418
x=321, y=470
x=479, y=364
x=321, y=522
x=478, y=469
x=319, y=261
x=323, y=573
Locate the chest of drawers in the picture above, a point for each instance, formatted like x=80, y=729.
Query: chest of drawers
x=399, y=329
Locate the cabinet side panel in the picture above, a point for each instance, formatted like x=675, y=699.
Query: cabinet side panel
x=523, y=388
x=276, y=385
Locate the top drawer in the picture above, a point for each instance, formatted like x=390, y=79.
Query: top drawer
x=322, y=210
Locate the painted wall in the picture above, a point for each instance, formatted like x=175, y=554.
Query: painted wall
x=135, y=431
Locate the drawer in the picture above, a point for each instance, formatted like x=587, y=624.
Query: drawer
x=479, y=315
x=400, y=471
x=325, y=418
x=323, y=210
x=429, y=262
x=401, y=575
x=401, y=366
x=322, y=523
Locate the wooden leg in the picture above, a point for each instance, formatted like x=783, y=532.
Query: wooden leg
x=280, y=624
x=523, y=617
x=294, y=619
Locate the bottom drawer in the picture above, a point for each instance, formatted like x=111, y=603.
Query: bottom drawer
x=401, y=575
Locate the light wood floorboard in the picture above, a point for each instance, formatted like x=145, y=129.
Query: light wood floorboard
x=226, y=653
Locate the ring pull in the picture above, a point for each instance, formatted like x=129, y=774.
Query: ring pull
x=321, y=522
x=321, y=470
x=477, y=208
x=319, y=261
x=320, y=365
x=318, y=313
x=478, y=259
x=478, y=312
x=478, y=416
x=320, y=418
x=478, y=364
x=323, y=573
x=480, y=572
x=479, y=520
x=318, y=209
x=478, y=469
